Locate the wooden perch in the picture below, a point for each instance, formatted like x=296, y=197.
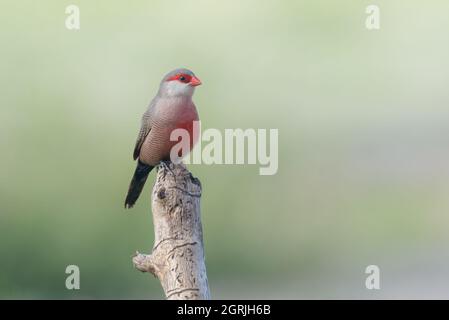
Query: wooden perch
x=177, y=259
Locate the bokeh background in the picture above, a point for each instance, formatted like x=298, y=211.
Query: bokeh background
x=363, y=119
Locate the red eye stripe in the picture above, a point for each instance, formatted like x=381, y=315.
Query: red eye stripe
x=182, y=77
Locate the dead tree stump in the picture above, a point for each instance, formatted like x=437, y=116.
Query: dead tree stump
x=177, y=259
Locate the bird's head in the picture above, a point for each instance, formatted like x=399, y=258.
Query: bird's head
x=179, y=82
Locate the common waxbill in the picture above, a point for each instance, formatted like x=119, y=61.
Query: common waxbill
x=172, y=108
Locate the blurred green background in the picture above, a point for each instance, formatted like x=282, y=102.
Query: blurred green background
x=363, y=119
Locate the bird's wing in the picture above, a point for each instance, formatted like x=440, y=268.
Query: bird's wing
x=144, y=130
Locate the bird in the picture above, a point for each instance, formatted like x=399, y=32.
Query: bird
x=172, y=108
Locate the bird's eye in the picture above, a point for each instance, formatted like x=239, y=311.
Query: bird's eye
x=182, y=78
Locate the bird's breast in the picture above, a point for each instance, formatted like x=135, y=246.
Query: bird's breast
x=169, y=116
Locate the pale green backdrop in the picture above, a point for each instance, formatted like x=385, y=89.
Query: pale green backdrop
x=363, y=119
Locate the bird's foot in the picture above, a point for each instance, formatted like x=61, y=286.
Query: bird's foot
x=166, y=166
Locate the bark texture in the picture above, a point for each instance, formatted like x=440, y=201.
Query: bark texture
x=177, y=259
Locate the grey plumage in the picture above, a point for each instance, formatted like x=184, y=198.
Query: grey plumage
x=170, y=109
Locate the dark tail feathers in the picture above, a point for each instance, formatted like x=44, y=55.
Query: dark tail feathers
x=137, y=183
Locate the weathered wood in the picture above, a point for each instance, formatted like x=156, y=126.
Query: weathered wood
x=177, y=259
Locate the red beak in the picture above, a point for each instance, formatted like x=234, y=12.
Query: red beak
x=195, y=81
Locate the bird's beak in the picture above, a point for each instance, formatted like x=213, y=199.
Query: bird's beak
x=195, y=81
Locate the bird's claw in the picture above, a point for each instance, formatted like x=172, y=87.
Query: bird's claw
x=165, y=165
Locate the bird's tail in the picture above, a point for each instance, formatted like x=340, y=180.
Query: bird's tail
x=137, y=183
